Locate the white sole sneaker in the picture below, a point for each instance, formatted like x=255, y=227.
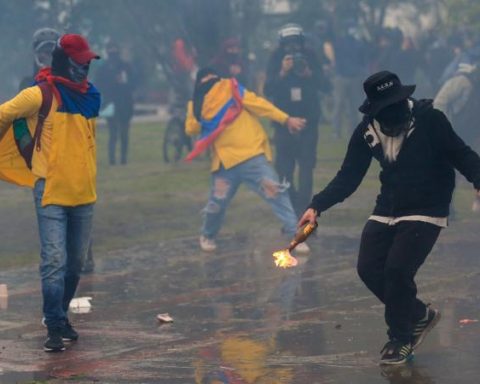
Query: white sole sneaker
x=207, y=245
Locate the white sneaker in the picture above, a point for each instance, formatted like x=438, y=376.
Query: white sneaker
x=302, y=248
x=207, y=245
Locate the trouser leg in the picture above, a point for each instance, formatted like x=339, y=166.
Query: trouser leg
x=388, y=260
x=52, y=227
x=124, y=126
x=412, y=243
x=224, y=185
x=285, y=166
x=376, y=240
x=112, y=140
x=260, y=177
x=79, y=228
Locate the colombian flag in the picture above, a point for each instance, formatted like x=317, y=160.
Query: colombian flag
x=212, y=128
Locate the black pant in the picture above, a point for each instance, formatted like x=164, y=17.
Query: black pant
x=118, y=127
x=388, y=260
x=298, y=149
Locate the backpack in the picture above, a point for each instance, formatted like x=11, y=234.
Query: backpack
x=23, y=138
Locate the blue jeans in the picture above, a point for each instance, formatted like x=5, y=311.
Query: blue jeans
x=260, y=177
x=64, y=238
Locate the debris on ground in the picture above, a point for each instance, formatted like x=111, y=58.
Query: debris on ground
x=467, y=321
x=81, y=305
x=164, y=318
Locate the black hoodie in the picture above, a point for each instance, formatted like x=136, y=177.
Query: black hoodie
x=420, y=181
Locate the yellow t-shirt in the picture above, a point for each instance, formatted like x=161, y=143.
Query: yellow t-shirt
x=245, y=137
x=67, y=156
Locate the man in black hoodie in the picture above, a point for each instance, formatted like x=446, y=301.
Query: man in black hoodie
x=418, y=152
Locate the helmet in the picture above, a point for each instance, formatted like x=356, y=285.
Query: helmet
x=43, y=37
x=44, y=42
x=291, y=31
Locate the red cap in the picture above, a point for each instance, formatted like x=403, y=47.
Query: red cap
x=76, y=47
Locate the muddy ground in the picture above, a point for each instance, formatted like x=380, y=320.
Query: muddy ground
x=237, y=319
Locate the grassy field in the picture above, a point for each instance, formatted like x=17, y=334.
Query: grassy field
x=149, y=201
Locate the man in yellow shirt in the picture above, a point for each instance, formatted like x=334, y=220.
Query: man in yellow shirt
x=225, y=115
x=62, y=174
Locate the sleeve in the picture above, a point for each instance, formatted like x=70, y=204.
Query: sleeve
x=355, y=166
x=25, y=104
x=460, y=155
x=192, y=126
x=453, y=95
x=263, y=108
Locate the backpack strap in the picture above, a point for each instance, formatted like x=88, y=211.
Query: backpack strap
x=47, y=97
x=26, y=144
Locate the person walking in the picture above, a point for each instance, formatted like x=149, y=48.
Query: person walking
x=418, y=151
x=60, y=112
x=226, y=115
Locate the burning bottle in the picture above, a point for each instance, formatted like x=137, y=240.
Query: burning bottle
x=283, y=258
x=302, y=235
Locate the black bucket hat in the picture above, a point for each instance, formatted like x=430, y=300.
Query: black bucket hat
x=383, y=89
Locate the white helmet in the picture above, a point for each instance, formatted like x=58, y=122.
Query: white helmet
x=291, y=31
x=44, y=41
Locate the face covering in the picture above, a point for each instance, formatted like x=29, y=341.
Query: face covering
x=199, y=93
x=77, y=72
x=395, y=118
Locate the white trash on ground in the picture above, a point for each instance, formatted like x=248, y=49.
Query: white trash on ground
x=164, y=318
x=81, y=305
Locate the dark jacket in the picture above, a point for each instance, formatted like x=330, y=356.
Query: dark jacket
x=420, y=181
x=279, y=89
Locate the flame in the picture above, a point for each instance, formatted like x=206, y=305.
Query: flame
x=284, y=259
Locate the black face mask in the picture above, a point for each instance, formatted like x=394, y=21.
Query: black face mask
x=395, y=118
x=64, y=66
x=77, y=72
x=201, y=89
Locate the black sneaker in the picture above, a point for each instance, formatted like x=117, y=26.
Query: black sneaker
x=68, y=333
x=422, y=327
x=54, y=342
x=396, y=352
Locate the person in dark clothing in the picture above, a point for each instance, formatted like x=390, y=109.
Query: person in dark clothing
x=115, y=79
x=418, y=151
x=294, y=79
